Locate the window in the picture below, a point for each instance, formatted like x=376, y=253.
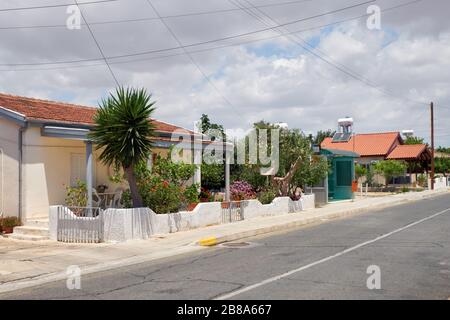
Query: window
x=343, y=173
x=77, y=168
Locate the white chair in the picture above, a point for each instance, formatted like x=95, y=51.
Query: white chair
x=96, y=199
x=116, y=201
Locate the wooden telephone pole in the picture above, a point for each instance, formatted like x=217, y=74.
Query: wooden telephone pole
x=432, y=145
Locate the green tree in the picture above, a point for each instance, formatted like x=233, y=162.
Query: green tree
x=443, y=150
x=390, y=169
x=414, y=140
x=123, y=131
x=297, y=166
x=442, y=165
x=207, y=126
x=321, y=135
x=360, y=171
x=213, y=175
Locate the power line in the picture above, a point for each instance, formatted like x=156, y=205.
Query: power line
x=190, y=56
x=98, y=45
x=55, y=5
x=279, y=4
x=189, y=45
x=213, y=48
x=329, y=61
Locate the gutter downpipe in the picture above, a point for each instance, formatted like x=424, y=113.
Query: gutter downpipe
x=22, y=129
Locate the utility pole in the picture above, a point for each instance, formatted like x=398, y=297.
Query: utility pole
x=432, y=145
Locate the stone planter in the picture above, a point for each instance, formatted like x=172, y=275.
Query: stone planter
x=192, y=206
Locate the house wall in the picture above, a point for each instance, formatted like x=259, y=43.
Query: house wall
x=47, y=171
x=9, y=168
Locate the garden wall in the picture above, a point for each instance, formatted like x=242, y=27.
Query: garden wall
x=134, y=224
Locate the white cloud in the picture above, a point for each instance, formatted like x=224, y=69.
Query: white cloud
x=276, y=81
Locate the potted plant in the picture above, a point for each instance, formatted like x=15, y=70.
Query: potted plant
x=8, y=224
x=242, y=190
x=191, y=196
x=205, y=195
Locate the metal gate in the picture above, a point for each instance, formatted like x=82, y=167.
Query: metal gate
x=232, y=211
x=80, y=225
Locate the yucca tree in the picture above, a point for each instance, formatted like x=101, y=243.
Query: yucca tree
x=123, y=131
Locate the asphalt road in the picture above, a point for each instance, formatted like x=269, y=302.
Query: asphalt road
x=409, y=243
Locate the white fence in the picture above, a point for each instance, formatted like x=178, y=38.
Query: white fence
x=79, y=225
x=118, y=225
x=439, y=183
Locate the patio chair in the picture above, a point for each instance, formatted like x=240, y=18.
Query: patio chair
x=116, y=201
x=96, y=199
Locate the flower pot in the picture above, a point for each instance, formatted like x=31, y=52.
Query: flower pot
x=204, y=200
x=7, y=230
x=226, y=205
x=191, y=206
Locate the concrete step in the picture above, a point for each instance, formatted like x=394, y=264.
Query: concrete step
x=26, y=237
x=31, y=231
x=39, y=223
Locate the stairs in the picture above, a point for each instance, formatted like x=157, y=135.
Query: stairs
x=33, y=230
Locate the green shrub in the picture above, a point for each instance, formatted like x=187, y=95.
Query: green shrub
x=422, y=180
x=267, y=196
x=126, y=199
x=10, y=222
x=77, y=196
x=405, y=189
x=191, y=194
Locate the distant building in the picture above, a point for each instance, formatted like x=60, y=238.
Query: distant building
x=374, y=147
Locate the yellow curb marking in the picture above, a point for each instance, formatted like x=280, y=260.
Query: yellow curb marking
x=208, y=242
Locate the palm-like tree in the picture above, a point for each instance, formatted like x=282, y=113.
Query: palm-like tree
x=123, y=131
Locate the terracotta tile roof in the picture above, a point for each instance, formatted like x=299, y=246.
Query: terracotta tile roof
x=60, y=112
x=366, y=145
x=405, y=152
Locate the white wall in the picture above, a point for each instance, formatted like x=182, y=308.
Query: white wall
x=9, y=168
x=439, y=183
x=141, y=223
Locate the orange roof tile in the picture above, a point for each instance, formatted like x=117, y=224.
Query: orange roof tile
x=370, y=144
x=60, y=112
x=405, y=152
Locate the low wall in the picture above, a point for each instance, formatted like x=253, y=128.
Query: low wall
x=120, y=225
x=439, y=183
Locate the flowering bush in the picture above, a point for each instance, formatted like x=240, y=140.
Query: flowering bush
x=160, y=195
x=205, y=195
x=163, y=188
x=242, y=190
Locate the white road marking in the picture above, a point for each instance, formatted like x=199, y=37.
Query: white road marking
x=286, y=274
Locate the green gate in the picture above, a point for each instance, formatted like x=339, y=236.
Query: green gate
x=342, y=173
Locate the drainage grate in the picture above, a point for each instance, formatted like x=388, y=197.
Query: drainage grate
x=238, y=245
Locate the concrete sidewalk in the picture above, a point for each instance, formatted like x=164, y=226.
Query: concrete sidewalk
x=25, y=264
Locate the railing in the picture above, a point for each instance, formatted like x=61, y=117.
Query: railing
x=232, y=211
x=80, y=225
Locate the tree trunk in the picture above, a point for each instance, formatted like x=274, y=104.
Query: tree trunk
x=135, y=195
x=282, y=183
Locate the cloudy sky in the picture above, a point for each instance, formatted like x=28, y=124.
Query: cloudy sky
x=323, y=63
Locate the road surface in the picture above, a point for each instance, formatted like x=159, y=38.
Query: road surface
x=408, y=244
